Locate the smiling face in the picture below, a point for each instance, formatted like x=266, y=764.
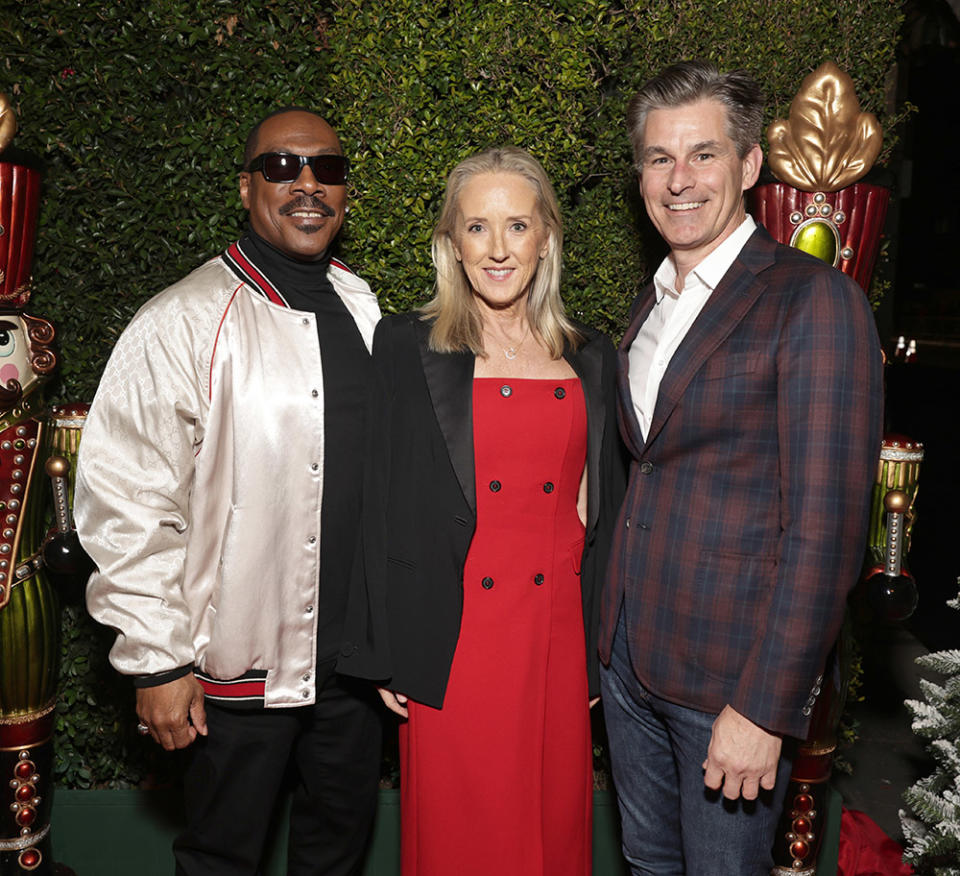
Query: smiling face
x=692, y=179
x=302, y=217
x=500, y=237
x=17, y=376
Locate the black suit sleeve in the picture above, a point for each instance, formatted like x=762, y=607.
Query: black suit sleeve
x=365, y=651
x=612, y=475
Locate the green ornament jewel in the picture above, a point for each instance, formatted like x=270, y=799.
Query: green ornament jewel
x=819, y=238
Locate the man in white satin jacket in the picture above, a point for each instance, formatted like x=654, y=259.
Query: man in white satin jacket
x=218, y=494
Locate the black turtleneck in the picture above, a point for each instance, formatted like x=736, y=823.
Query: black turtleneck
x=346, y=364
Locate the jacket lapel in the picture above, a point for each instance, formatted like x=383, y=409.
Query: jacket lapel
x=587, y=362
x=730, y=302
x=626, y=415
x=449, y=379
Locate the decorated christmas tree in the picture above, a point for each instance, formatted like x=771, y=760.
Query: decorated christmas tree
x=932, y=832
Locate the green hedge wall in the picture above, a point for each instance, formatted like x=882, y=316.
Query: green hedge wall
x=139, y=110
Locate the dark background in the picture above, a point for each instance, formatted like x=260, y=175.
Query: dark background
x=923, y=397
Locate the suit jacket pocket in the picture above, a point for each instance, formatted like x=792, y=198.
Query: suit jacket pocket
x=728, y=610
x=576, y=554
x=227, y=564
x=405, y=564
x=722, y=367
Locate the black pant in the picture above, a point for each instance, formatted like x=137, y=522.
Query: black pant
x=236, y=772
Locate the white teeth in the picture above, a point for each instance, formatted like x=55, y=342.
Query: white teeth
x=499, y=274
x=306, y=214
x=689, y=205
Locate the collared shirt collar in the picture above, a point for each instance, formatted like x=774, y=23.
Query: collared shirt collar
x=711, y=270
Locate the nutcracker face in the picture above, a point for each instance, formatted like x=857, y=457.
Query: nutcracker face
x=14, y=352
x=25, y=357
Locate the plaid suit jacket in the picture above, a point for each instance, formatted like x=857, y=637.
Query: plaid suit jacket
x=744, y=522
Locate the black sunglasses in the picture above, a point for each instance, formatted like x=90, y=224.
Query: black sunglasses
x=284, y=167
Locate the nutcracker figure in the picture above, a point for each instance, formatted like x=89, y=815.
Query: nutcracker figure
x=37, y=445
x=819, y=201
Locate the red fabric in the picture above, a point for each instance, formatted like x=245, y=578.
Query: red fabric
x=498, y=781
x=865, y=850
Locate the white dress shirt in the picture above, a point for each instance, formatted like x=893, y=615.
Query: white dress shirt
x=671, y=317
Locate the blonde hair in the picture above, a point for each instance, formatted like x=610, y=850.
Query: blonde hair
x=457, y=325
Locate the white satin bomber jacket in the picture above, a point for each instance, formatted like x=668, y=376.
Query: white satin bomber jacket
x=199, y=483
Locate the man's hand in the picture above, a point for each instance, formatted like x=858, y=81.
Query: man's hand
x=173, y=711
x=395, y=702
x=742, y=756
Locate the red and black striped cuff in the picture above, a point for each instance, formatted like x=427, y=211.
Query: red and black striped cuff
x=245, y=691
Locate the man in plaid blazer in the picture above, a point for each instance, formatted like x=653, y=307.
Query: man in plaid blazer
x=751, y=401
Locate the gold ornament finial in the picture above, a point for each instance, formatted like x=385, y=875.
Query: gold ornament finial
x=827, y=143
x=8, y=122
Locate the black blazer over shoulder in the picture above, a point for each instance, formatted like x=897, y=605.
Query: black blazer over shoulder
x=419, y=507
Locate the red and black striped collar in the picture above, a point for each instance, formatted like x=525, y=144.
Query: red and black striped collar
x=240, y=262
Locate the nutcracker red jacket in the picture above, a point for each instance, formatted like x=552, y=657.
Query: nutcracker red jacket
x=743, y=527
x=419, y=507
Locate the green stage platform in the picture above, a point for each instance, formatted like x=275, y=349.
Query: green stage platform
x=107, y=833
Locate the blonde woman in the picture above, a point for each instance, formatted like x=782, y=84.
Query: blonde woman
x=494, y=473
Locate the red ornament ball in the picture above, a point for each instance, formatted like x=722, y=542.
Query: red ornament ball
x=29, y=859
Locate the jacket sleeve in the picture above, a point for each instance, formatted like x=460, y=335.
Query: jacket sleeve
x=366, y=647
x=829, y=426
x=135, y=473
x=612, y=477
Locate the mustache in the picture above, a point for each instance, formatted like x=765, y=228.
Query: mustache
x=10, y=395
x=307, y=202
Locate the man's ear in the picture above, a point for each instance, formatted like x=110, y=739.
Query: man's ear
x=245, y=189
x=752, y=162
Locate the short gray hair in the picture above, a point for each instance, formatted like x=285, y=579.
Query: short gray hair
x=691, y=81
